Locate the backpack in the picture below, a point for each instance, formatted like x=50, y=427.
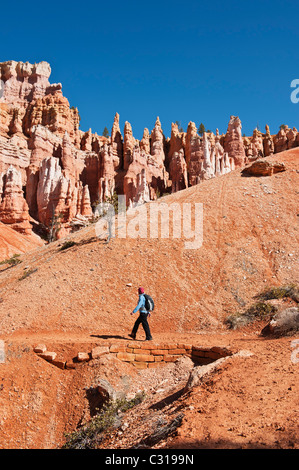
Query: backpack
x=149, y=303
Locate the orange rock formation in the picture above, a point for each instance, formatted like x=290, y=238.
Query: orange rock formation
x=63, y=172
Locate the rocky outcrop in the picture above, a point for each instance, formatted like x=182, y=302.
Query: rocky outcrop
x=59, y=198
x=116, y=144
x=293, y=138
x=283, y=323
x=178, y=171
x=66, y=172
x=52, y=187
x=14, y=152
x=137, y=179
x=106, y=182
x=25, y=82
x=43, y=144
x=146, y=176
x=157, y=143
x=233, y=142
x=207, y=171
x=128, y=147
x=142, y=189
x=285, y=139
x=280, y=141
x=54, y=113
x=254, y=146
x=194, y=154
x=5, y=118
x=145, y=142
x=268, y=143
x=72, y=159
x=176, y=143
x=205, y=156
x=14, y=210
x=264, y=168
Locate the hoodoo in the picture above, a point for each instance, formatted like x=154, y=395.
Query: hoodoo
x=52, y=169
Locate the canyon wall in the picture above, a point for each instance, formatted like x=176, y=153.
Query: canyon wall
x=51, y=171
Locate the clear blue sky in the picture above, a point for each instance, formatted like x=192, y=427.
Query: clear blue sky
x=187, y=61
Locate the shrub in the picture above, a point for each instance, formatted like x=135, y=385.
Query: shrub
x=67, y=245
x=12, y=261
x=27, y=273
x=91, y=434
x=262, y=310
x=55, y=227
x=258, y=311
x=290, y=291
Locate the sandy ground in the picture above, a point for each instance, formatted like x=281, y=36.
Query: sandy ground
x=74, y=299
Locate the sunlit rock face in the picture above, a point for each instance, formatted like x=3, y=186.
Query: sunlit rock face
x=52, y=170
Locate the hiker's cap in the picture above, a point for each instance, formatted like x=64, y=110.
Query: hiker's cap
x=141, y=290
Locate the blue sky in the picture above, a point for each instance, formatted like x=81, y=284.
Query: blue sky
x=182, y=61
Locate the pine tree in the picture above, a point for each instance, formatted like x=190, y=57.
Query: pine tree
x=105, y=132
x=180, y=127
x=201, y=129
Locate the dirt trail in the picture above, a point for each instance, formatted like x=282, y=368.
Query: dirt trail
x=249, y=402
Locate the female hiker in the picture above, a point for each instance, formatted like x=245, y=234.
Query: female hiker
x=143, y=315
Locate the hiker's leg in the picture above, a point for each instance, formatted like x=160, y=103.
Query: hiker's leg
x=136, y=325
x=145, y=325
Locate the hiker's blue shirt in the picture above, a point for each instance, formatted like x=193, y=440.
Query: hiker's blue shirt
x=141, y=305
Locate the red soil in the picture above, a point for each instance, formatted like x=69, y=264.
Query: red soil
x=80, y=297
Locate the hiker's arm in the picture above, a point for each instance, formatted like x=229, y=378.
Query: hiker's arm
x=140, y=303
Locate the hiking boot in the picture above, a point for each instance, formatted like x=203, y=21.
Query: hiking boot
x=132, y=336
x=149, y=339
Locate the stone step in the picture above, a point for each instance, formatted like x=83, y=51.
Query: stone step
x=140, y=354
